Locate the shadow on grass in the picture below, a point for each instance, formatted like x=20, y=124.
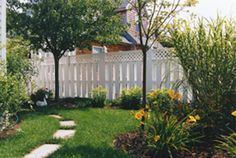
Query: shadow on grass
x=89, y=152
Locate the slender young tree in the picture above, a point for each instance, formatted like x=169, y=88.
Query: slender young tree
x=62, y=25
x=154, y=17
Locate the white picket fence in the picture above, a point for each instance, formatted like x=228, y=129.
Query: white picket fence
x=79, y=74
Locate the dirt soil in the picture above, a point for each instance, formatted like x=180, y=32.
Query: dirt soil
x=10, y=131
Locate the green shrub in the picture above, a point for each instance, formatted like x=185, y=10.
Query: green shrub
x=228, y=144
x=99, y=96
x=208, y=57
x=131, y=98
x=13, y=95
x=14, y=75
x=18, y=62
x=168, y=101
x=167, y=135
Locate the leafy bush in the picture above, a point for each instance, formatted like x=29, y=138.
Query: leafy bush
x=168, y=101
x=13, y=92
x=131, y=98
x=167, y=134
x=228, y=144
x=18, y=62
x=13, y=95
x=208, y=57
x=99, y=96
x=115, y=103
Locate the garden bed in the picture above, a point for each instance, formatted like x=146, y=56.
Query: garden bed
x=135, y=144
x=9, y=132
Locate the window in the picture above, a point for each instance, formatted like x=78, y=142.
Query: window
x=97, y=50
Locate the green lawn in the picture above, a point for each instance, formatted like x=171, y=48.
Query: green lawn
x=34, y=130
x=95, y=131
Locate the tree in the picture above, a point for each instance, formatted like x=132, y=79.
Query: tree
x=60, y=26
x=154, y=17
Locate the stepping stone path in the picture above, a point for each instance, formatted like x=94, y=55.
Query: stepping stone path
x=47, y=149
x=43, y=151
x=64, y=134
x=67, y=123
x=56, y=116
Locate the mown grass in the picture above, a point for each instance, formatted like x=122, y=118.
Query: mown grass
x=95, y=131
x=34, y=130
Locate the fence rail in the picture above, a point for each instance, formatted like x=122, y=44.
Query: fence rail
x=78, y=75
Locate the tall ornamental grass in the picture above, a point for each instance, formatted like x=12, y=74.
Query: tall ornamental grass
x=207, y=53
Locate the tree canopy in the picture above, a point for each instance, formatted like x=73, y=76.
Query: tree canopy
x=62, y=25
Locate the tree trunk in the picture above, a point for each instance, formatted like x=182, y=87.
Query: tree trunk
x=56, y=62
x=144, y=101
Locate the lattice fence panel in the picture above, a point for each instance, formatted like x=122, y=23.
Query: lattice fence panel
x=79, y=74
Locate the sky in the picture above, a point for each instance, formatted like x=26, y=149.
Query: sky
x=210, y=8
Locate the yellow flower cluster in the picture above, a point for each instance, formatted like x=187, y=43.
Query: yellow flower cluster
x=156, y=138
x=140, y=114
x=153, y=94
x=173, y=95
x=193, y=119
x=233, y=113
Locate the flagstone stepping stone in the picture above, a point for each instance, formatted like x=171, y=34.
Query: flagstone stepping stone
x=56, y=116
x=64, y=134
x=43, y=151
x=67, y=123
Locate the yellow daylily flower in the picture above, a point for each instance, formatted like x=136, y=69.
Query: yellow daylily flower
x=138, y=116
x=171, y=94
x=178, y=96
x=191, y=119
x=153, y=94
x=142, y=111
x=197, y=117
x=156, y=138
x=234, y=113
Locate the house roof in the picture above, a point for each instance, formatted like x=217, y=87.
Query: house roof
x=129, y=39
x=124, y=5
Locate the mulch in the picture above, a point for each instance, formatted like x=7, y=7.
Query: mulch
x=10, y=131
x=134, y=143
